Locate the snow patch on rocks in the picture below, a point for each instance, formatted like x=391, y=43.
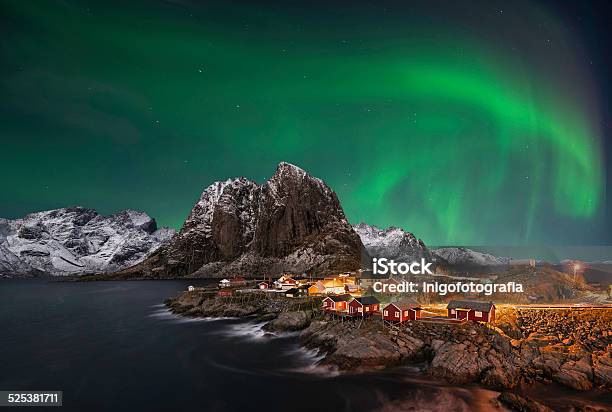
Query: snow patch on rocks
x=392, y=243
x=77, y=240
x=466, y=257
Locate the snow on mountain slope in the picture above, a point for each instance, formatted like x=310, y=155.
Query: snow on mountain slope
x=461, y=256
x=391, y=243
x=76, y=240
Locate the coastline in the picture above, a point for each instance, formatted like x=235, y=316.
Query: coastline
x=500, y=358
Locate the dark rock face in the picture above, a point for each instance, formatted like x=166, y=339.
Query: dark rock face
x=218, y=228
x=293, y=222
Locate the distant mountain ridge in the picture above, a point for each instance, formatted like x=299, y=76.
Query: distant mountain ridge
x=461, y=256
x=402, y=246
x=75, y=241
x=392, y=243
x=291, y=223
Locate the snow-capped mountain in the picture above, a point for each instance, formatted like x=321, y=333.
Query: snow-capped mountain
x=392, y=243
x=76, y=240
x=293, y=222
x=460, y=256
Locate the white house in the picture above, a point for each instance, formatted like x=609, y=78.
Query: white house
x=285, y=282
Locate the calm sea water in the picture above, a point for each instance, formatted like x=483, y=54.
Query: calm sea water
x=113, y=346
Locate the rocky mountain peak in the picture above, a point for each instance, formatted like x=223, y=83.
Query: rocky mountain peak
x=292, y=222
x=138, y=220
x=288, y=177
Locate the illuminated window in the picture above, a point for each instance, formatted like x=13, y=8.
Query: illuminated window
x=478, y=314
x=397, y=314
x=367, y=308
x=386, y=313
x=360, y=309
x=452, y=311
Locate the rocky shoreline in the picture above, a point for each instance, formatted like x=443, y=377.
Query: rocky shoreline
x=572, y=348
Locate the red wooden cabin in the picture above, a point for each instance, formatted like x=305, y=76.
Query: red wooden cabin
x=471, y=310
x=406, y=309
x=336, y=303
x=237, y=281
x=363, y=306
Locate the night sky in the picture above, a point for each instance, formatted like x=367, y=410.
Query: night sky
x=481, y=123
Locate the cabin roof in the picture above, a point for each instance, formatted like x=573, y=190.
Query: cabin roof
x=407, y=303
x=470, y=304
x=341, y=298
x=367, y=300
x=286, y=281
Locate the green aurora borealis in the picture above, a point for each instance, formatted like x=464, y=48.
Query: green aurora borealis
x=464, y=126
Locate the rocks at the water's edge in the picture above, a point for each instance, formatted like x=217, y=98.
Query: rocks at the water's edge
x=571, y=347
x=289, y=321
x=366, y=347
x=348, y=348
x=508, y=357
x=518, y=403
x=283, y=314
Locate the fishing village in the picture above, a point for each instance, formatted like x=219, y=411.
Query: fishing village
x=505, y=346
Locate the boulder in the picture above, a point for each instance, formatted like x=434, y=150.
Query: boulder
x=455, y=362
x=577, y=375
x=289, y=321
x=522, y=404
x=548, y=363
x=602, y=370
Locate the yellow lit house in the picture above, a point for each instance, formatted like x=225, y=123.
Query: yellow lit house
x=333, y=286
x=317, y=288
